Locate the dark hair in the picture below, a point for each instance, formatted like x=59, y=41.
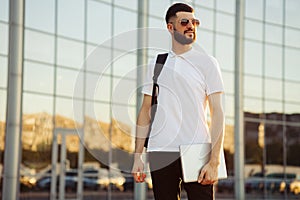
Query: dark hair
x=177, y=7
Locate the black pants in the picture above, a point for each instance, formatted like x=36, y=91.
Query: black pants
x=167, y=181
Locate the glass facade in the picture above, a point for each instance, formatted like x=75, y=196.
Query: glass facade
x=80, y=71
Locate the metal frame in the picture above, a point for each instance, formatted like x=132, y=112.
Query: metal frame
x=64, y=132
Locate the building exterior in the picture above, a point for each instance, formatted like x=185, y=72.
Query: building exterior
x=80, y=69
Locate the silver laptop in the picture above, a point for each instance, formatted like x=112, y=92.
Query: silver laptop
x=194, y=157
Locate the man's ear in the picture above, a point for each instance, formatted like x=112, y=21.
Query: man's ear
x=170, y=27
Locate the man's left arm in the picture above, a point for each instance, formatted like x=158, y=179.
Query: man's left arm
x=209, y=173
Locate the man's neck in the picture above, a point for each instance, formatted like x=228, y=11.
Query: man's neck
x=178, y=48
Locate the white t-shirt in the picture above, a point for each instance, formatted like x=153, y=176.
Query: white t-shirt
x=185, y=82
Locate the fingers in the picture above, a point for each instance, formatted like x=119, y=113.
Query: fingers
x=205, y=179
x=139, y=177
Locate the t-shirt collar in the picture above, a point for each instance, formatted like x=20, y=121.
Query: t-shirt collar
x=172, y=54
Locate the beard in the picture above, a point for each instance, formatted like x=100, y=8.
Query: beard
x=182, y=39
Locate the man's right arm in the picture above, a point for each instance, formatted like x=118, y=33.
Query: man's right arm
x=142, y=128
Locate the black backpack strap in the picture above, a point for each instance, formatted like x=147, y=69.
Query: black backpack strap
x=160, y=61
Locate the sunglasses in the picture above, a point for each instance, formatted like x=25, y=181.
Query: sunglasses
x=184, y=22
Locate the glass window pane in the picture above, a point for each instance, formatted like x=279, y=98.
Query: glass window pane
x=292, y=63
x=69, y=83
x=39, y=46
x=292, y=91
x=131, y=4
x=253, y=86
x=4, y=39
x=4, y=10
x=253, y=105
x=273, y=106
x=3, y=105
x=273, y=61
x=274, y=11
x=206, y=18
x=205, y=3
x=291, y=108
x=206, y=41
x=40, y=14
x=125, y=66
x=3, y=71
x=158, y=7
x=274, y=144
x=253, y=30
x=66, y=108
x=123, y=91
x=122, y=19
x=71, y=18
x=70, y=53
x=157, y=23
x=227, y=6
x=99, y=59
x=293, y=144
x=225, y=52
x=100, y=110
x=253, y=58
x=38, y=77
x=96, y=15
x=121, y=115
x=34, y=103
x=253, y=149
x=273, y=34
x=292, y=13
x=229, y=106
x=273, y=89
x=292, y=38
x=225, y=23
x=228, y=79
x=254, y=9
x=98, y=87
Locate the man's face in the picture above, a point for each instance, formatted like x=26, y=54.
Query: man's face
x=184, y=27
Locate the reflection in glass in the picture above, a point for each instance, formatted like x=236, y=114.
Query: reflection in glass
x=39, y=46
x=43, y=80
x=127, y=4
x=253, y=58
x=3, y=71
x=121, y=19
x=292, y=13
x=70, y=53
x=292, y=63
x=227, y=6
x=274, y=11
x=70, y=110
x=253, y=30
x=69, y=83
x=206, y=18
x=253, y=105
x=45, y=11
x=273, y=89
x=35, y=103
x=225, y=23
x=253, y=86
x=293, y=143
x=273, y=34
x=206, y=41
x=97, y=12
x=4, y=39
x=292, y=91
x=225, y=52
x=271, y=106
x=98, y=87
x=125, y=65
x=273, y=61
x=4, y=10
x=124, y=91
x=291, y=108
x=71, y=18
x=254, y=9
x=292, y=38
x=3, y=105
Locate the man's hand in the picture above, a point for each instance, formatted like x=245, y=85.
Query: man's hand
x=138, y=170
x=208, y=174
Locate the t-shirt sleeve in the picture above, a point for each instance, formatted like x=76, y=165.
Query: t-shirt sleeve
x=148, y=82
x=214, y=81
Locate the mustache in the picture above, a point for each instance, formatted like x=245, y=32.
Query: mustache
x=190, y=29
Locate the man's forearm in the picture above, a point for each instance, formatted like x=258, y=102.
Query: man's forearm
x=142, y=129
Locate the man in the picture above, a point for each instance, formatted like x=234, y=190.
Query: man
x=189, y=79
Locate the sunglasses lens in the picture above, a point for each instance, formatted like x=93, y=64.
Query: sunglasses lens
x=184, y=22
x=196, y=22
